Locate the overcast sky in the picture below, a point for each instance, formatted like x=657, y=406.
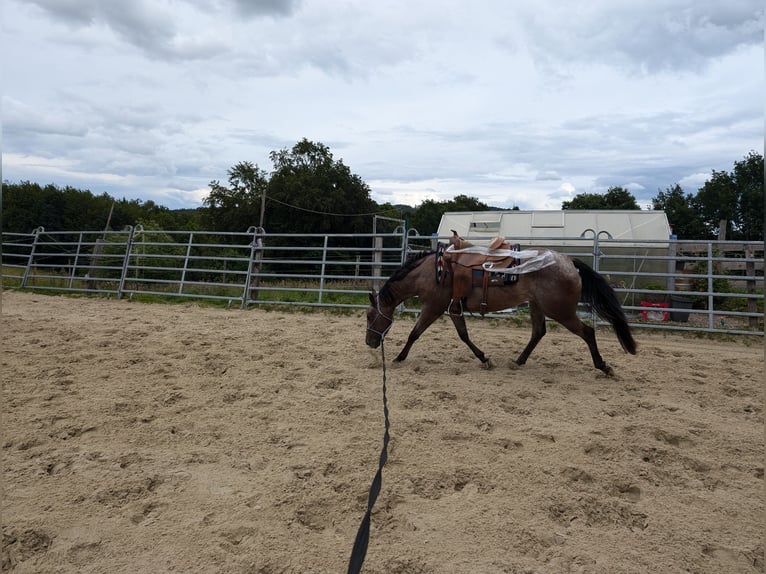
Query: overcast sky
x=518, y=103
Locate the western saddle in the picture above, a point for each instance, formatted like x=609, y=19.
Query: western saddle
x=472, y=266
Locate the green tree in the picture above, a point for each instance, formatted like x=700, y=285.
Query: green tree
x=620, y=198
x=748, y=180
x=426, y=217
x=682, y=212
x=428, y=214
x=28, y=205
x=716, y=202
x=238, y=206
x=81, y=210
x=614, y=198
x=730, y=204
x=310, y=192
x=585, y=201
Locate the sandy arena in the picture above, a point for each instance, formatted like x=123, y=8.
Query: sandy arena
x=177, y=438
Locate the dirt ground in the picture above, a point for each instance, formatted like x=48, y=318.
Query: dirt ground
x=177, y=438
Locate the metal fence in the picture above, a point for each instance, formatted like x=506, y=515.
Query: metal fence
x=670, y=284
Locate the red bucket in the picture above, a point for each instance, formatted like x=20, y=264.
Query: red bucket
x=654, y=311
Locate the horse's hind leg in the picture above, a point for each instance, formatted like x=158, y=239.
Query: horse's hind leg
x=462, y=331
x=538, y=332
x=588, y=334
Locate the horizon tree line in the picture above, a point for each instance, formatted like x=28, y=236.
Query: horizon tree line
x=308, y=191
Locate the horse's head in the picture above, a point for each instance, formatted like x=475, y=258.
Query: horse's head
x=378, y=322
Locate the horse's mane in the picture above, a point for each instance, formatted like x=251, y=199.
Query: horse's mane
x=386, y=296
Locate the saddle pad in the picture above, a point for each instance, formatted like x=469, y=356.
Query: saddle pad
x=504, y=278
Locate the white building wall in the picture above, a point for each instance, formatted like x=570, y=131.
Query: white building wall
x=626, y=225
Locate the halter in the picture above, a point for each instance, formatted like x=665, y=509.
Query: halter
x=382, y=334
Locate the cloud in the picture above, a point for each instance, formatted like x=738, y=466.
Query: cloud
x=72, y=12
x=139, y=21
x=507, y=102
x=547, y=176
x=255, y=8
x=26, y=122
x=651, y=36
x=151, y=27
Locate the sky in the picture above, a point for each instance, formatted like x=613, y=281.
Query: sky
x=518, y=103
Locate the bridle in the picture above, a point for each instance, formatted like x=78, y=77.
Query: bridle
x=390, y=320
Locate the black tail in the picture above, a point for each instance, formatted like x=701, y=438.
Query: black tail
x=602, y=298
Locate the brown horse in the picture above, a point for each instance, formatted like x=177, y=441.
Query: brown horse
x=553, y=291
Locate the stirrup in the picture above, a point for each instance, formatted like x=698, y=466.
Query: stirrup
x=449, y=308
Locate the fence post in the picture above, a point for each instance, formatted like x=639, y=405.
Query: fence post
x=76, y=260
x=752, y=304
x=37, y=232
x=323, y=269
x=672, y=254
x=253, y=278
x=126, y=260
x=186, y=263
x=405, y=243
x=377, y=260
x=596, y=260
x=98, y=250
x=710, y=285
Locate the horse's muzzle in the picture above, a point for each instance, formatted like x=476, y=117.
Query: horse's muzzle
x=372, y=340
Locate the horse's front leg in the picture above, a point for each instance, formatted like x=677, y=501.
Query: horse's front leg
x=462, y=331
x=425, y=320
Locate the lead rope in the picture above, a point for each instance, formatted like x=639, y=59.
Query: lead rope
x=359, y=552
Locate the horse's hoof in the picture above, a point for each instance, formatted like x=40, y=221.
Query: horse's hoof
x=514, y=366
x=608, y=371
x=488, y=364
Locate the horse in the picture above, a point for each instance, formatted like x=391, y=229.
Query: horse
x=553, y=291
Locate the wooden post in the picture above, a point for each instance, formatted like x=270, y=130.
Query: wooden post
x=722, y=229
x=98, y=250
